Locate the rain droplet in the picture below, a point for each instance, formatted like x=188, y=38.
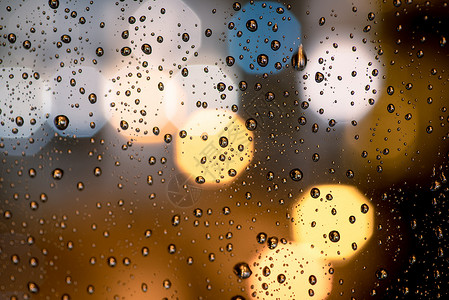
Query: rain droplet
x=242, y=270
x=54, y=4
x=321, y=21
x=124, y=125
x=57, y=174
x=99, y=51
x=381, y=274
x=262, y=60
x=275, y=45
x=319, y=77
x=223, y=141
x=296, y=174
x=334, y=236
x=146, y=48
x=251, y=124
x=61, y=122
x=251, y=25
x=261, y=237
x=125, y=51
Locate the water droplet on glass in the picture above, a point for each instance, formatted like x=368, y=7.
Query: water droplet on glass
x=242, y=270
x=251, y=25
x=262, y=60
x=319, y=77
x=61, y=122
x=296, y=174
x=125, y=51
x=54, y=4
x=146, y=48
x=334, y=236
x=57, y=174
x=321, y=21
x=251, y=124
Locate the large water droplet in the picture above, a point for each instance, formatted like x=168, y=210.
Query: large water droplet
x=61, y=122
x=242, y=270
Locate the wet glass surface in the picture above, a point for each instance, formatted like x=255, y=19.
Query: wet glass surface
x=220, y=149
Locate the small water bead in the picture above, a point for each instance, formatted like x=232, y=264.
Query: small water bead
x=321, y=21
x=261, y=237
x=266, y=271
x=33, y=287
x=223, y=141
x=26, y=44
x=230, y=61
x=183, y=134
x=296, y=174
x=299, y=59
x=90, y=289
x=92, y=98
x=251, y=25
x=443, y=41
x=319, y=77
x=262, y=60
x=315, y=193
x=242, y=270
x=65, y=38
x=251, y=124
x=208, y=32
x=352, y=219
x=236, y=6
x=146, y=48
x=364, y=208
x=312, y=279
x=272, y=242
x=334, y=236
x=125, y=51
x=54, y=4
x=275, y=45
x=381, y=274
x=61, y=122
x=112, y=261
x=99, y=51
x=390, y=108
x=166, y=284
x=350, y=174
x=171, y=249
x=281, y=278
x=19, y=121
x=429, y=129
x=57, y=174
x=168, y=138
x=185, y=37
x=221, y=86
x=124, y=125
x=200, y=180
x=243, y=85
x=390, y=90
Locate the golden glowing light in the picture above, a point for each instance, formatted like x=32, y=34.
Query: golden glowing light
x=217, y=147
x=291, y=271
x=336, y=220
